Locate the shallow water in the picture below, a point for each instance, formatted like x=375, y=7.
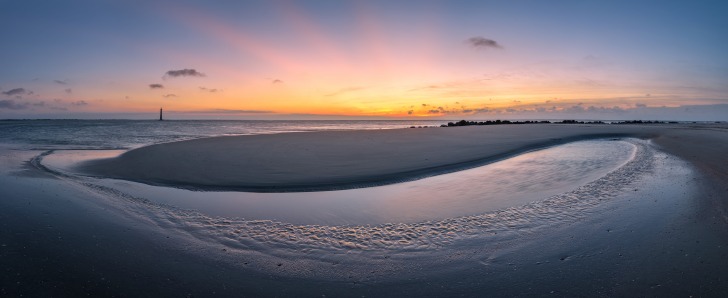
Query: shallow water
x=508, y=183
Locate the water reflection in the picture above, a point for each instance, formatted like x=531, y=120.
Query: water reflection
x=508, y=183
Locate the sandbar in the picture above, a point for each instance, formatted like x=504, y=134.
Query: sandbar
x=332, y=160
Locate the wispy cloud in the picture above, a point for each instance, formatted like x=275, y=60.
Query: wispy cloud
x=169, y=95
x=60, y=82
x=480, y=42
x=426, y=88
x=345, y=90
x=68, y=90
x=17, y=91
x=211, y=90
x=79, y=103
x=277, y=81
x=187, y=72
x=156, y=86
x=12, y=105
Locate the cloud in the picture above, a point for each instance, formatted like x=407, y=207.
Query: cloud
x=211, y=90
x=479, y=42
x=79, y=103
x=425, y=88
x=60, y=82
x=17, y=91
x=277, y=81
x=68, y=90
x=640, y=105
x=169, y=95
x=156, y=86
x=187, y=72
x=441, y=110
x=12, y=105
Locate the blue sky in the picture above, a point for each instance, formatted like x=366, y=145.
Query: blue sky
x=363, y=59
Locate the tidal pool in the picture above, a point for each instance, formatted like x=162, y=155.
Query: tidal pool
x=512, y=182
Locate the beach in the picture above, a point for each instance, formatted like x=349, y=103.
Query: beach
x=657, y=226
x=295, y=162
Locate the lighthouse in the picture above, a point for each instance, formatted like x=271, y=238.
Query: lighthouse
x=160, y=114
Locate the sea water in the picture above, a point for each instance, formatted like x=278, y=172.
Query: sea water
x=508, y=183
x=127, y=134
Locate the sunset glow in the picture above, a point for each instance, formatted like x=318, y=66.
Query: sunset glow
x=368, y=59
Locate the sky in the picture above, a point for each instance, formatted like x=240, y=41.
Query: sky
x=364, y=59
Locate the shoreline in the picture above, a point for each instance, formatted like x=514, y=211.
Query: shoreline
x=336, y=160
x=508, y=183
x=56, y=229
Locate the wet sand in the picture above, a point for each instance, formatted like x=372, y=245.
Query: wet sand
x=61, y=238
x=338, y=159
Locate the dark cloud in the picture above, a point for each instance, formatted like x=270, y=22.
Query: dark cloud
x=169, y=95
x=410, y=112
x=479, y=42
x=211, y=90
x=12, y=105
x=79, y=103
x=60, y=82
x=187, y=72
x=68, y=90
x=156, y=86
x=640, y=105
x=17, y=91
x=277, y=81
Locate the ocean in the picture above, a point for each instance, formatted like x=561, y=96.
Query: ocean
x=129, y=134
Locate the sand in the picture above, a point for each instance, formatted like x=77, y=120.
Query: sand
x=338, y=159
x=61, y=237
